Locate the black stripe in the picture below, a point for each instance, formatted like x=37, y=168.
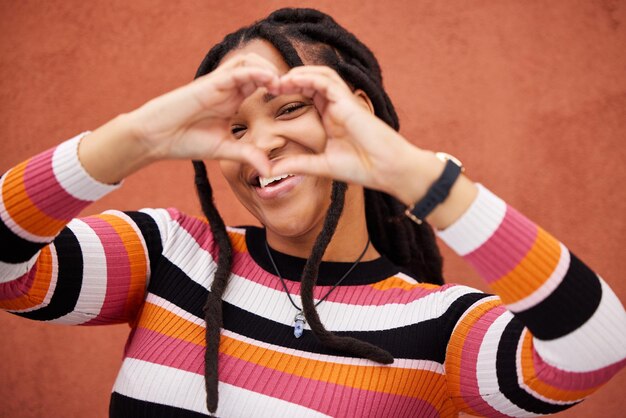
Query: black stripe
x=14, y=249
x=290, y=267
x=571, y=304
x=506, y=371
x=425, y=340
x=151, y=235
x=69, y=281
x=123, y=406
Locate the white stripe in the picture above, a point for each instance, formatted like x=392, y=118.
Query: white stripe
x=14, y=227
x=163, y=220
x=477, y=224
x=274, y=305
x=94, y=285
x=53, y=282
x=182, y=250
x=71, y=175
x=547, y=287
x=406, y=278
x=164, y=385
x=137, y=231
x=598, y=343
x=11, y=271
x=486, y=375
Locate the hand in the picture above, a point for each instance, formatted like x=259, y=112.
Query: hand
x=361, y=148
x=194, y=121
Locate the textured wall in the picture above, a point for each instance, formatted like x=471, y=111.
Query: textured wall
x=531, y=95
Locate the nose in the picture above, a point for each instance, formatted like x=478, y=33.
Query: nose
x=267, y=140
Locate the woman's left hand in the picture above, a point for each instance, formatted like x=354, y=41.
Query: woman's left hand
x=360, y=147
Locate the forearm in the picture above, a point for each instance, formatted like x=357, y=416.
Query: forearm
x=415, y=171
x=114, y=151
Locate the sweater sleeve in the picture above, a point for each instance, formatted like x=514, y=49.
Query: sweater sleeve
x=88, y=271
x=554, y=333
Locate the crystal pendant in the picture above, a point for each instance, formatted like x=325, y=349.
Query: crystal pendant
x=298, y=326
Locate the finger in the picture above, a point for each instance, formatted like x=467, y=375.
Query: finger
x=238, y=77
x=243, y=153
x=247, y=60
x=316, y=69
x=311, y=164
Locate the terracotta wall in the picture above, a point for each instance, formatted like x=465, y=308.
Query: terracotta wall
x=531, y=95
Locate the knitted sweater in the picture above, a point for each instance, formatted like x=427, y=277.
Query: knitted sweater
x=553, y=333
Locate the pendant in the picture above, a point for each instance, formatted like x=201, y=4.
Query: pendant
x=298, y=326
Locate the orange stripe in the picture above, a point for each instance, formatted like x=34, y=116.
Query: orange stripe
x=238, y=241
x=392, y=380
x=158, y=319
x=535, y=383
x=398, y=283
x=455, y=351
x=137, y=260
x=40, y=287
x=22, y=210
x=532, y=272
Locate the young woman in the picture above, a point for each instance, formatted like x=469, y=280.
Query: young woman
x=294, y=109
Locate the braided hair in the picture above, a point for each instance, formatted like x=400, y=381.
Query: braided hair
x=316, y=37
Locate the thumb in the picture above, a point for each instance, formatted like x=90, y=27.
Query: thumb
x=311, y=164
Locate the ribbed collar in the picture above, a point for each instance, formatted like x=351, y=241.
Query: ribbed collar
x=291, y=267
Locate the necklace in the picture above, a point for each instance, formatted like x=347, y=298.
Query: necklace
x=299, y=319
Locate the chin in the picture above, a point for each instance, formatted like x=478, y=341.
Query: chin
x=293, y=226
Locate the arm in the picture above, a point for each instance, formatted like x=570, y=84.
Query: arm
x=95, y=269
x=561, y=334
x=82, y=271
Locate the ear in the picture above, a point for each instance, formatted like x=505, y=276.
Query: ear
x=364, y=100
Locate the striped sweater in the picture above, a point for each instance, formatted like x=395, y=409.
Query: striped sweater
x=553, y=333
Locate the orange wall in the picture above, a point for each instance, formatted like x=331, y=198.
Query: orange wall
x=531, y=95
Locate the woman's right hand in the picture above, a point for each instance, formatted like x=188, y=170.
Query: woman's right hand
x=191, y=122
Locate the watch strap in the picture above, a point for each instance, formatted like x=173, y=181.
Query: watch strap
x=436, y=194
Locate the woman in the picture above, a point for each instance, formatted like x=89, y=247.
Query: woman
x=399, y=344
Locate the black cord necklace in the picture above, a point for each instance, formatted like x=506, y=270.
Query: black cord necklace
x=299, y=319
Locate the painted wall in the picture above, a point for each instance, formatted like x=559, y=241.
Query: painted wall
x=531, y=95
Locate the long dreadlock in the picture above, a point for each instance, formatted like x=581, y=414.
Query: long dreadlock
x=320, y=40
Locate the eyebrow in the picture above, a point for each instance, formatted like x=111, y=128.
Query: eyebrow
x=267, y=97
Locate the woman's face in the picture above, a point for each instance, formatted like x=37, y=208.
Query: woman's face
x=294, y=206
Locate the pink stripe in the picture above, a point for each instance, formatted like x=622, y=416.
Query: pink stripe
x=328, y=398
x=469, y=359
x=45, y=192
x=160, y=349
x=574, y=380
x=197, y=229
x=118, y=272
x=506, y=248
x=18, y=287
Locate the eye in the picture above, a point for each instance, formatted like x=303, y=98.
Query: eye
x=291, y=110
x=238, y=131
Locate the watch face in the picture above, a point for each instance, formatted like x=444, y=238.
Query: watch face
x=443, y=156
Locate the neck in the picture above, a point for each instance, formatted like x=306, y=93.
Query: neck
x=347, y=242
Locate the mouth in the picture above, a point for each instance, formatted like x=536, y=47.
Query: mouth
x=274, y=187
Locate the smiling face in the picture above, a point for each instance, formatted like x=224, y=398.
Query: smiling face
x=293, y=207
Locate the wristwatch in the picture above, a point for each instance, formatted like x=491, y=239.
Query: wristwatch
x=438, y=191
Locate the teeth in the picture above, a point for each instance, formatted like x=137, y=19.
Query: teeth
x=264, y=181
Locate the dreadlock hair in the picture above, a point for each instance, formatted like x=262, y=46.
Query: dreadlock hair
x=320, y=40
